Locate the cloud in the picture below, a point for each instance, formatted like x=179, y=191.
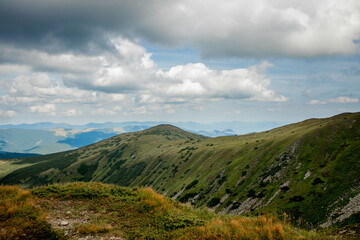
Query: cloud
x=186, y=88
x=199, y=81
x=274, y=109
x=14, y=68
x=153, y=109
x=313, y=102
x=43, y=61
x=41, y=93
x=40, y=88
x=343, y=99
x=128, y=73
x=218, y=29
x=7, y=114
x=127, y=68
x=106, y=111
x=72, y=112
x=44, y=109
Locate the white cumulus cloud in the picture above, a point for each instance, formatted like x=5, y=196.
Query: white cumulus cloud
x=6, y=114
x=130, y=72
x=199, y=81
x=44, y=109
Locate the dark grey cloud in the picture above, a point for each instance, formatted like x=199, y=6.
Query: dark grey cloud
x=218, y=28
x=56, y=26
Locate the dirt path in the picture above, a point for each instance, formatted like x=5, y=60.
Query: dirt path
x=76, y=220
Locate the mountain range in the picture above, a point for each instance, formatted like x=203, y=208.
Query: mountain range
x=309, y=170
x=237, y=126
x=48, y=137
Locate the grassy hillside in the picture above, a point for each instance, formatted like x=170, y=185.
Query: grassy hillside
x=308, y=169
x=98, y=211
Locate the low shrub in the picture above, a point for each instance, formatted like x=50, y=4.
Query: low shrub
x=213, y=202
x=297, y=199
x=192, y=184
x=20, y=218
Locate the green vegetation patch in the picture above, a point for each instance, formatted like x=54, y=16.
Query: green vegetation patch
x=87, y=171
x=192, y=184
x=20, y=218
x=127, y=213
x=126, y=174
x=213, y=202
x=81, y=190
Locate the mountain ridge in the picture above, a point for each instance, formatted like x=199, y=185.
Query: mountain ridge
x=307, y=169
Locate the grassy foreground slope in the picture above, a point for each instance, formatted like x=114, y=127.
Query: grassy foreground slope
x=308, y=169
x=101, y=211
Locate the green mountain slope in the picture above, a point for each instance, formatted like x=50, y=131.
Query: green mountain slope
x=308, y=169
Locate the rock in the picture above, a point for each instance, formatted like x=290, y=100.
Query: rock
x=307, y=174
x=68, y=213
x=224, y=198
x=63, y=223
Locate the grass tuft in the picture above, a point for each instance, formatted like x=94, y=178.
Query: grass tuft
x=262, y=227
x=90, y=229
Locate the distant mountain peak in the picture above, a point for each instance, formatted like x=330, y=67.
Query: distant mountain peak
x=165, y=127
x=172, y=132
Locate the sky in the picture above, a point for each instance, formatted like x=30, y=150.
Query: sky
x=202, y=61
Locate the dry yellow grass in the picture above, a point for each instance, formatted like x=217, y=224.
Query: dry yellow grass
x=19, y=216
x=155, y=202
x=87, y=229
x=262, y=227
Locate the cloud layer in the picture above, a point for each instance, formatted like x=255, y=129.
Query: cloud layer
x=126, y=75
x=218, y=28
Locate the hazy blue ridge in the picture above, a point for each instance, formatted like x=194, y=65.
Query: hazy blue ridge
x=48, y=137
x=11, y=155
x=237, y=126
x=87, y=138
